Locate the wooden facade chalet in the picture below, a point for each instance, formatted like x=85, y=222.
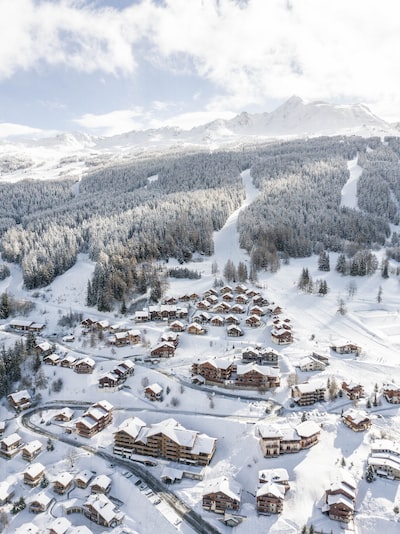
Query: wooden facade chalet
x=257, y=310
x=232, y=320
x=281, y=336
x=171, y=337
x=101, y=484
x=177, y=326
x=109, y=380
x=308, y=363
x=196, y=329
x=227, y=297
x=240, y=288
x=44, y=348
x=253, y=321
x=94, y=420
x=259, y=300
x=255, y=376
x=347, y=348
x=385, y=459
x=238, y=308
x=357, y=420
x=201, y=317
x=25, y=326
x=10, y=445
x=154, y=392
x=63, y=482
x=241, y=299
x=65, y=415
x=217, y=320
x=40, y=502
x=163, y=350
x=169, y=439
x=225, y=289
x=277, y=440
x=274, y=310
x=84, y=366
x=212, y=299
x=68, y=361
x=60, y=525
x=83, y=478
x=52, y=359
x=170, y=300
x=31, y=450
x=222, y=307
x=99, y=509
x=234, y=331
x=221, y=494
x=203, y=305
x=217, y=370
x=261, y=356
x=391, y=393
x=34, y=474
x=277, y=476
x=269, y=498
x=308, y=393
x=353, y=391
x=339, y=508
x=21, y=400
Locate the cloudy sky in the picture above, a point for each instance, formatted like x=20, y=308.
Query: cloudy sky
x=109, y=66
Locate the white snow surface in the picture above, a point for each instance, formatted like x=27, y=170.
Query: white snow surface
x=316, y=325
x=349, y=191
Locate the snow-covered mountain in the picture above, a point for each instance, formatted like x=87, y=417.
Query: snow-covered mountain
x=69, y=154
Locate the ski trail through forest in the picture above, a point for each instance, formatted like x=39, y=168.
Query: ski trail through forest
x=226, y=240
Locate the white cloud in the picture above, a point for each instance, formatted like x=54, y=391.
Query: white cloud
x=250, y=51
x=114, y=122
x=9, y=129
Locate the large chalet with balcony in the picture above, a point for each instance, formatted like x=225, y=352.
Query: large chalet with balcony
x=276, y=440
x=340, y=498
x=95, y=419
x=167, y=439
x=308, y=393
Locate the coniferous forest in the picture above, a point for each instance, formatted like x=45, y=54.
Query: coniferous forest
x=155, y=207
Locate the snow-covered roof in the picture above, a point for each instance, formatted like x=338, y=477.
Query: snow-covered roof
x=64, y=478
x=356, y=416
x=45, y=346
x=262, y=370
x=5, y=491
x=33, y=446
x=11, y=439
x=132, y=426
x=84, y=476
x=87, y=361
x=27, y=528
x=81, y=529
x=307, y=429
x=103, y=506
x=204, y=444
x=102, y=481
x=107, y=406
x=219, y=363
x=270, y=488
x=60, y=525
x=20, y=395
x=155, y=388
x=34, y=469
x=268, y=431
x=42, y=498
x=223, y=485
x=340, y=499
x=277, y=475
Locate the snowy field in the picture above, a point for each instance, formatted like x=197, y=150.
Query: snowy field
x=316, y=325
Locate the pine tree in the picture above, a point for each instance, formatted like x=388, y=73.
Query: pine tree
x=379, y=295
x=323, y=261
x=341, y=265
x=385, y=268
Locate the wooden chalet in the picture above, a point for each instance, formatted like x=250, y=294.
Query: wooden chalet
x=340, y=498
x=163, y=350
x=281, y=336
x=64, y=415
x=21, y=400
x=347, y=348
x=95, y=419
x=259, y=300
x=277, y=476
x=217, y=370
x=257, y=310
x=83, y=478
x=60, y=525
x=221, y=494
x=31, y=450
x=177, y=326
x=269, y=498
x=33, y=474
x=225, y=289
x=10, y=445
x=260, y=355
x=251, y=375
x=203, y=305
x=217, y=320
x=196, y=329
x=240, y=288
x=232, y=320
x=109, y=380
x=21, y=325
x=357, y=420
x=142, y=316
x=352, y=390
x=222, y=307
x=227, y=297
x=253, y=321
x=154, y=392
x=234, y=331
x=238, y=308
x=170, y=300
x=40, y=502
x=169, y=439
x=101, y=484
x=309, y=363
x=170, y=337
x=241, y=299
x=391, y=393
x=308, y=393
x=63, y=483
x=52, y=359
x=276, y=440
x=274, y=310
x=84, y=366
x=44, y=348
x=68, y=361
x=99, y=509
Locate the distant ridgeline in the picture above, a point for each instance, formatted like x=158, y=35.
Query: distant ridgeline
x=166, y=206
